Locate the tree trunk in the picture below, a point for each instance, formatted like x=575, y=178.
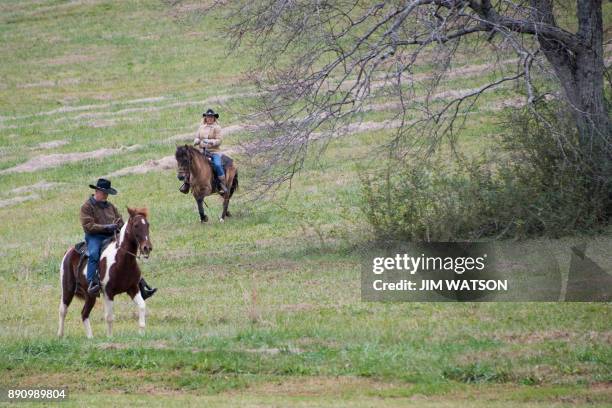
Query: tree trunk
x=594, y=124
x=581, y=73
x=589, y=105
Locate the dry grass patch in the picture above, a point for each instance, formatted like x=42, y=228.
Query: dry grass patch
x=53, y=160
x=317, y=386
x=17, y=200
x=52, y=144
x=554, y=335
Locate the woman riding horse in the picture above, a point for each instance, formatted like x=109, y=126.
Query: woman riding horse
x=208, y=138
x=198, y=173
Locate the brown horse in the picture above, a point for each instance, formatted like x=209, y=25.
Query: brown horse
x=119, y=273
x=196, y=171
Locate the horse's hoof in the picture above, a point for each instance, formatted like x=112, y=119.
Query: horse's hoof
x=203, y=220
x=221, y=219
x=227, y=214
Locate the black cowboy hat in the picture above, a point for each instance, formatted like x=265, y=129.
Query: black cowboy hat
x=104, y=185
x=211, y=112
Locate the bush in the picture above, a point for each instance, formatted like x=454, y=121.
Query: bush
x=425, y=201
x=537, y=182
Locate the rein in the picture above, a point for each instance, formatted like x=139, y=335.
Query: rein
x=135, y=255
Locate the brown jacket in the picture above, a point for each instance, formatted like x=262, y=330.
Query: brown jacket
x=209, y=136
x=94, y=214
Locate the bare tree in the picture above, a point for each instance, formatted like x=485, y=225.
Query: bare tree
x=321, y=63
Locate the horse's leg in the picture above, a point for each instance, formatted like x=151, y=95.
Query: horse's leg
x=67, y=282
x=232, y=173
x=203, y=216
x=225, y=204
x=90, y=301
x=108, y=314
x=142, y=307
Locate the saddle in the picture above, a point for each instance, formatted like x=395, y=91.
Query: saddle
x=226, y=162
x=81, y=248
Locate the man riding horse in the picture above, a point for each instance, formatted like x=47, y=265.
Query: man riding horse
x=100, y=220
x=208, y=139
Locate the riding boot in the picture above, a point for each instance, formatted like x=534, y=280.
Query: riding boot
x=184, y=188
x=94, y=286
x=145, y=290
x=222, y=185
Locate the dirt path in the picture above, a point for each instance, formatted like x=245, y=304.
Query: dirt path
x=39, y=186
x=52, y=144
x=201, y=102
x=92, y=115
x=57, y=159
x=165, y=163
x=17, y=200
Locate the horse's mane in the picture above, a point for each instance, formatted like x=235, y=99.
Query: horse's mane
x=141, y=211
x=196, y=154
x=197, y=158
x=193, y=150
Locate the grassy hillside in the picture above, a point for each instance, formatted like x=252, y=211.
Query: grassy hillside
x=264, y=309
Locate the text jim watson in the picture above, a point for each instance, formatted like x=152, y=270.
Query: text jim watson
x=428, y=284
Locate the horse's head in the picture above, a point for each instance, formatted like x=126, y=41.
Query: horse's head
x=183, y=159
x=139, y=229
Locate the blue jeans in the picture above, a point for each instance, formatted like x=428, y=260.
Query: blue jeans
x=94, y=245
x=217, y=166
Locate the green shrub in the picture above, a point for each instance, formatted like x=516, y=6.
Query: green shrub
x=537, y=182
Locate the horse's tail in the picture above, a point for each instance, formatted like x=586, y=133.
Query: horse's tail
x=234, y=186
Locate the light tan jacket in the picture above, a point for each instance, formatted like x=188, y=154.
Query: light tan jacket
x=209, y=137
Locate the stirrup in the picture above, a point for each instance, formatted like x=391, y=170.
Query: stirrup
x=93, y=288
x=222, y=186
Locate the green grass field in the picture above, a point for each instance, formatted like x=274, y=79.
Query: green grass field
x=264, y=309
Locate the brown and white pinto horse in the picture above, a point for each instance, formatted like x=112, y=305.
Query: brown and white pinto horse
x=119, y=273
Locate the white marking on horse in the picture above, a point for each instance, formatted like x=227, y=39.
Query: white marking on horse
x=142, y=309
x=143, y=221
x=110, y=253
x=122, y=234
x=63, y=309
x=62, y=317
x=62, y=274
x=108, y=314
x=88, y=328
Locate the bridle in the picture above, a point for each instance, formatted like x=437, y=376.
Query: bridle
x=120, y=248
x=187, y=172
x=135, y=255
